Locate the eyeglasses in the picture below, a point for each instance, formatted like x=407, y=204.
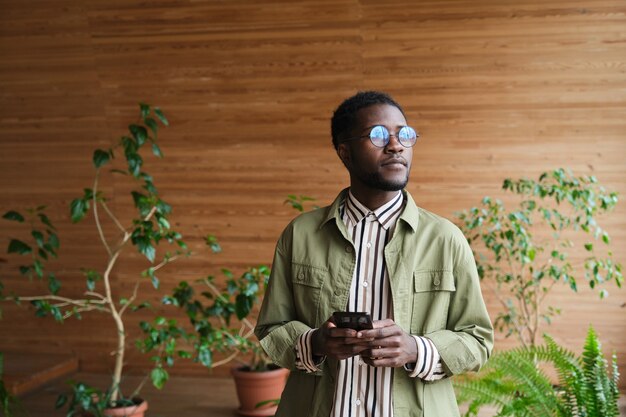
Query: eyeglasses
x=380, y=136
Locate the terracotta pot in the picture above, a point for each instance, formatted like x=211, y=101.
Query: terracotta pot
x=256, y=387
x=137, y=410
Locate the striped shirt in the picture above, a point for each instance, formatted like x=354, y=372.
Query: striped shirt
x=362, y=390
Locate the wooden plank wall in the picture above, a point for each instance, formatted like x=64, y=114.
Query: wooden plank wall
x=498, y=89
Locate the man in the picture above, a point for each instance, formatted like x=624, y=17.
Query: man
x=373, y=250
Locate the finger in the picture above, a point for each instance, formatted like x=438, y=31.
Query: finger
x=328, y=324
x=342, y=332
x=384, y=362
x=380, y=333
x=357, y=341
x=383, y=323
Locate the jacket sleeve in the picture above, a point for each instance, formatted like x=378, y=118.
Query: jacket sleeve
x=467, y=342
x=277, y=327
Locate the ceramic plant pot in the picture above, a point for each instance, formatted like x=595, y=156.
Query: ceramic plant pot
x=256, y=387
x=136, y=410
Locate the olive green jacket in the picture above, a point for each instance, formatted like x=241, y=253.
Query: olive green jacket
x=435, y=290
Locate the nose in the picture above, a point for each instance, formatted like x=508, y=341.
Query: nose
x=394, y=145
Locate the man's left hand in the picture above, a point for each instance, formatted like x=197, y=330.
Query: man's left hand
x=391, y=347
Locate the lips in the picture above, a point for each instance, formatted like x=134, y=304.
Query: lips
x=394, y=161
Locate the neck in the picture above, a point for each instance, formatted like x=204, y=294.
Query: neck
x=372, y=199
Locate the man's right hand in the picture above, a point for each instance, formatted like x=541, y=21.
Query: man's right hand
x=338, y=343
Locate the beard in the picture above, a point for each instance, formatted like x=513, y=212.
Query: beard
x=376, y=181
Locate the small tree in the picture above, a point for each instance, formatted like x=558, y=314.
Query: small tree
x=525, y=250
x=149, y=227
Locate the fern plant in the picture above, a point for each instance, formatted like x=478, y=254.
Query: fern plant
x=513, y=382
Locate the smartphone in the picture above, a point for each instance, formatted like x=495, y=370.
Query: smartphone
x=353, y=320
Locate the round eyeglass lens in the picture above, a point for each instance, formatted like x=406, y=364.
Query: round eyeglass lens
x=407, y=136
x=379, y=136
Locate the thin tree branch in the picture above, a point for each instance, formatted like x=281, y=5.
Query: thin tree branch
x=83, y=309
x=130, y=300
x=112, y=216
x=63, y=300
x=96, y=216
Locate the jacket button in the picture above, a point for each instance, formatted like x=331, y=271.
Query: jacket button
x=300, y=276
x=348, y=248
x=436, y=282
x=337, y=292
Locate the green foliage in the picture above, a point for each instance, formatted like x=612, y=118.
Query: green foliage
x=525, y=250
x=149, y=228
x=6, y=399
x=298, y=201
x=87, y=400
x=513, y=382
x=212, y=312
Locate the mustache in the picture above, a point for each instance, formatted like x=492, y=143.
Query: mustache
x=395, y=160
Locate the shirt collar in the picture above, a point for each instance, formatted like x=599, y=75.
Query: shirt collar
x=410, y=214
x=386, y=214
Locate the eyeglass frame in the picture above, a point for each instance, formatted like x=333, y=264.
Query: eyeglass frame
x=369, y=136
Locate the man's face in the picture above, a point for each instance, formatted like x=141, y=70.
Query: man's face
x=385, y=169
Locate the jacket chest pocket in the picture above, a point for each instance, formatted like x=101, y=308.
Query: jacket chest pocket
x=307, y=282
x=431, y=299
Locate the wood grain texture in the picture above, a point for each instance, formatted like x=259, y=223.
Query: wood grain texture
x=497, y=90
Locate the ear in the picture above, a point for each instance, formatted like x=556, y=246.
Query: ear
x=344, y=154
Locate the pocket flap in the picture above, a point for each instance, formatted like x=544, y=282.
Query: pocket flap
x=434, y=280
x=308, y=275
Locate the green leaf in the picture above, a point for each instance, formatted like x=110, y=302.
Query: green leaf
x=140, y=134
x=152, y=124
x=53, y=241
x=205, y=356
x=155, y=281
x=156, y=150
x=211, y=242
x=134, y=164
x=53, y=284
x=78, y=209
x=45, y=220
x=14, y=216
x=161, y=116
x=17, y=246
x=589, y=247
x=605, y=238
x=38, y=267
x=159, y=377
x=100, y=157
x=144, y=109
x=60, y=402
x=243, y=305
x=38, y=236
x=144, y=245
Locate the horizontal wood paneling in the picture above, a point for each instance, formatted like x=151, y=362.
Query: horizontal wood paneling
x=497, y=90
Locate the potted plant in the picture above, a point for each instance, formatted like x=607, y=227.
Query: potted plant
x=222, y=316
x=223, y=320
x=512, y=382
x=148, y=228
x=525, y=250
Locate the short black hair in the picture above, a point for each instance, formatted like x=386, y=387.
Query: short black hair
x=344, y=117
